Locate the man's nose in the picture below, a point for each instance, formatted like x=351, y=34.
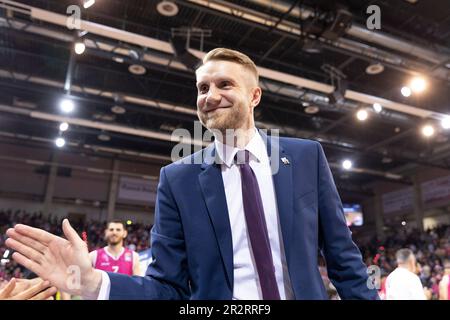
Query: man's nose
x=213, y=96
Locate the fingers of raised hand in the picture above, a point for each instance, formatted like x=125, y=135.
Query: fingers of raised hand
x=35, y=233
x=71, y=234
x=25, y=250
x=27, y=263
x=30, y=242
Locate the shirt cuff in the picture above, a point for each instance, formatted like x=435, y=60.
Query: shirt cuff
x=105, y=287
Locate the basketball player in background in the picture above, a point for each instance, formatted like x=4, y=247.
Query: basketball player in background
x=115, y=257
x=444, y=284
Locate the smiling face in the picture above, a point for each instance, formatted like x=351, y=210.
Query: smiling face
x=227, y=92
x=115, y=233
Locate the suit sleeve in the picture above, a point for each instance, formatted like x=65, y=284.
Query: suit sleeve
x=167, y=276
x=346, y=269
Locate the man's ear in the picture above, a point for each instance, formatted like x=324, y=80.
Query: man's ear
x=256, y=96
x=125, y=234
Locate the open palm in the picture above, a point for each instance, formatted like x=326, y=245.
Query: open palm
x=64, y=263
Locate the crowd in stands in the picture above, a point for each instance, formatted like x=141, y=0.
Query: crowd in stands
x=430, y=247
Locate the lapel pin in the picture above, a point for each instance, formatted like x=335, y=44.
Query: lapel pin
x=285, y=160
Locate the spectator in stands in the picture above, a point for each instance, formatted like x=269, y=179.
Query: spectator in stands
x=403, y=283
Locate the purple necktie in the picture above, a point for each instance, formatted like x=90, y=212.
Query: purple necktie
x=257, y=229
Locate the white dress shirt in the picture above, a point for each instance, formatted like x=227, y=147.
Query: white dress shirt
x=402, y=284
x=246, y=283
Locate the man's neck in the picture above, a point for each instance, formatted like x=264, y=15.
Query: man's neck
x=115, y=249
x=238, y=138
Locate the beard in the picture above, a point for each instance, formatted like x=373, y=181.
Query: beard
x=233, y=117
x=113, y=241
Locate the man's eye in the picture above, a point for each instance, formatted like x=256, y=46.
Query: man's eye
x=225, y=84
x=203, y=89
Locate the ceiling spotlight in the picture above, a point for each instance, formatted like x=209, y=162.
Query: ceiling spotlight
x=80, y=47
x=103, y=137
x=88, y=3
x=362, y=115
x=63, y=126
x=311, y=109
x=377, y=107
x=418, y=84
x=118, y=109
x=375, y=68
x=445, y=123
x=386, y=160
x=137, y=69
x=167, y=8
x=60, y=142
x=427, y=130
x=66, y=106
x=403, y=223
x=347, y=164
x=406, y=91
x=134, y=54
x=311, y=46
x=118, y=59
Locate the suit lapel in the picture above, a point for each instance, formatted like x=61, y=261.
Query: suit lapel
x=211, y=184
x=282, y=181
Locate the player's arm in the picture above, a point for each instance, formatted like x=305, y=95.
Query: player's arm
x=136, y=265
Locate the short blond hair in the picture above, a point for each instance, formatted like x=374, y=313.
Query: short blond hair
x=224, y=54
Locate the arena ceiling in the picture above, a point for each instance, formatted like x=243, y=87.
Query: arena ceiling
x=315, y=56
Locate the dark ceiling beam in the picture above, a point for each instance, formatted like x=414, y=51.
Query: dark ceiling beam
x=334, y=124
x=284, y=15
x=69, y=72
x=329, y=45
x=390, y=140
x=273, y=47
x=245, y=37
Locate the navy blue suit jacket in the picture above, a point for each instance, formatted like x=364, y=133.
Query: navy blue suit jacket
x=191, y=237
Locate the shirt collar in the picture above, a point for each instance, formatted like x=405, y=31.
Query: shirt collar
x=255, y=146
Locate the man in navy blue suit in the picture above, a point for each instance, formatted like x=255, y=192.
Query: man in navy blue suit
x=245, y=218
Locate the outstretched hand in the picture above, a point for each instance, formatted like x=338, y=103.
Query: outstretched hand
x=64, y=263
